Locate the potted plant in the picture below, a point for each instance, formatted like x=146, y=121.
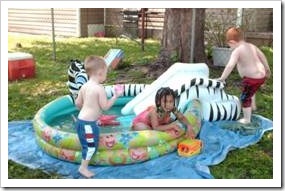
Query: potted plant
x=217, y=21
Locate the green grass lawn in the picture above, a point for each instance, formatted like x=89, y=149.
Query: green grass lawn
x=26, y=97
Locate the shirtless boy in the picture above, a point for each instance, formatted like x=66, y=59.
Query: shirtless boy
x=252, y=67
x=91, y=101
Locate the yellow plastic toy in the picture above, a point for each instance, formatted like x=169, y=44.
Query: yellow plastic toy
x=189, y=147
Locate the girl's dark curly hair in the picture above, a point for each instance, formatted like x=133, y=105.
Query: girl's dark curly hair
x=163, y=92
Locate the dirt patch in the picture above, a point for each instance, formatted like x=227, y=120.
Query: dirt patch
x=132, y=74
x=139, y=73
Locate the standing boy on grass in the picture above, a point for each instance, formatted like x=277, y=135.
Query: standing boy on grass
x=252, y=67
x=91, y=101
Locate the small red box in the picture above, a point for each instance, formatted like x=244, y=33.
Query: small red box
x=20, y=65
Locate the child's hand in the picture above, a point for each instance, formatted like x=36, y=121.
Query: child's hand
x=190, y=133
x=223, y=81
x=119, y=89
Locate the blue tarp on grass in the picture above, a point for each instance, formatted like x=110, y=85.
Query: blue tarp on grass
x=218, y=139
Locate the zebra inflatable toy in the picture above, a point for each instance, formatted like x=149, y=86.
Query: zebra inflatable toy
x=191, y=81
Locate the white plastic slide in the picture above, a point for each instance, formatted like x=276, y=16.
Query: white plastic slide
x=190, y=81
x=177, y=75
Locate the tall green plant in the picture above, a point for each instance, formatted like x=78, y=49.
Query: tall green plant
x=217, y=21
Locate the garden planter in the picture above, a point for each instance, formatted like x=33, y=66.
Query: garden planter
x=221, y=55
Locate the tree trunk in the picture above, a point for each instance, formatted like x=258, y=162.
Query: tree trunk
x=177, y=33
x=199, y=47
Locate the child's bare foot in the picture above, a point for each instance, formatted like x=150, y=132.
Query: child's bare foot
x=244, y=121
x=85, y=172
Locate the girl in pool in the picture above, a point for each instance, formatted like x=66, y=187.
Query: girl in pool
x=159, y=118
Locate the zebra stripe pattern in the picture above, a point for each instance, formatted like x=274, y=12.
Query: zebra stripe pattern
x=129, y=89
x=226, y=110
x=216, y=104
x=76, y=77
x=201, y=82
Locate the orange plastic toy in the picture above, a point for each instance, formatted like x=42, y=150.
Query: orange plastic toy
x=189, y=147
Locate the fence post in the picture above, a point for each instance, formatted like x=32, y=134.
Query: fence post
x=143, y=16
x=53, y=35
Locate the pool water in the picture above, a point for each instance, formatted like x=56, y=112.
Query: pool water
x=67, y=122
x=243, y=129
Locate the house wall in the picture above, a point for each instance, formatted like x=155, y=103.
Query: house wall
x=38, y=21
x=90, y=16
x=114, y=16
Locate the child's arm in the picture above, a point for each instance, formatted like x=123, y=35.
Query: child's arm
x=263, y=59
x=164, y=127
x=155, y=123
x=79, y=100
x=104, y=103
x=156, y=126
x=230, y=66
x=190, y=132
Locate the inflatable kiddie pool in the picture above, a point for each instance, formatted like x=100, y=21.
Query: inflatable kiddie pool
x=55, y=133
x=198, y=97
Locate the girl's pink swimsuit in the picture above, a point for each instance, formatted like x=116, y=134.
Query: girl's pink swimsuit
x=143, y=117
